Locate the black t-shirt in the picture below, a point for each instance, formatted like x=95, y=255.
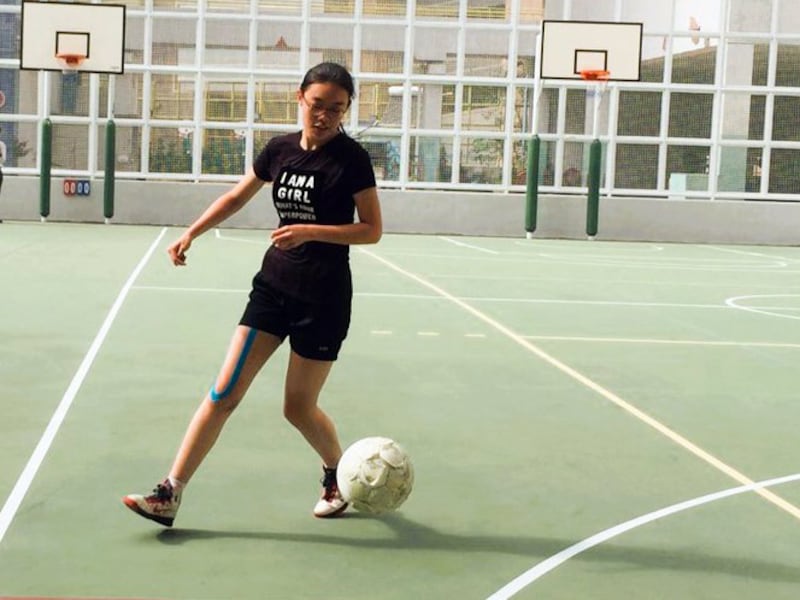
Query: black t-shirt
x=314, y=186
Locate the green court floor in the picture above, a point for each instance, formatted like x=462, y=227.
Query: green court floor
x=586, y=419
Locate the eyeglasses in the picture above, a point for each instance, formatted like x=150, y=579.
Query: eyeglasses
x=318, y=108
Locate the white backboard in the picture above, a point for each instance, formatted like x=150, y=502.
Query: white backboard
x=96, y=31
x=568, y=47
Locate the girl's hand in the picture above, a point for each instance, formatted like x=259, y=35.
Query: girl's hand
x=177, y=250
x=290, y=236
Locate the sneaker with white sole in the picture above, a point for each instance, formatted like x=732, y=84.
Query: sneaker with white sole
x=331, y=504
x=161, y=506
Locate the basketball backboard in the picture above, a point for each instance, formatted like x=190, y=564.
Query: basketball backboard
x=93, y=31
x=569, y=47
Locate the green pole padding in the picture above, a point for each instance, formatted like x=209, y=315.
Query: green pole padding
x=593, y=201
x=532, y=184
x=108, y=182
x=47, y=163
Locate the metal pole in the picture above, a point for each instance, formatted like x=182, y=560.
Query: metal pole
x=108, y=180
x=534, y=149
x=593, y=199
x=44, y=174
x=532, y=184
x=595, y=155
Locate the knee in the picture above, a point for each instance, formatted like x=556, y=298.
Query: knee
x=295, y=411
x=224, y=396
x=223, y=407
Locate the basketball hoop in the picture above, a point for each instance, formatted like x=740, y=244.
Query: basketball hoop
x=70, y=62
x=598, y=75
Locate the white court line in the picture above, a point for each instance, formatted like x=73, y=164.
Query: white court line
x=762, y=310
x=219, y=236
x=163, y=288
x=572, y=245
x=660, y=260
x=556, y=560
x=465, y=245
x=516, y=278
x=35, y=461
x=542, y=300
x=568, y=338
x=593, y=302
x=465, y=298
x=524, y=258
x=597, y=388
x=729, y=304
x=751, y=253
x=720, y=267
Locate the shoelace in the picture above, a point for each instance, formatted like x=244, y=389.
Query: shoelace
x=163, y=492
x=328, y=481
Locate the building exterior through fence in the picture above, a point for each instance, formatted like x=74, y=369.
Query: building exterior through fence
x=445, y=98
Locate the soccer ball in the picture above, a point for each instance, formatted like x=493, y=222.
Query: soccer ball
x=375, y=475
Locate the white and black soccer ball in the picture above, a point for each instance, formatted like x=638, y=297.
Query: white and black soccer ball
x=375, y=475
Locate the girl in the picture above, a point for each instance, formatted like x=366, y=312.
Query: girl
x=320, y=177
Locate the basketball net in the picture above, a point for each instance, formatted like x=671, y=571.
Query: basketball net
x=600, y=78
x=70, y=63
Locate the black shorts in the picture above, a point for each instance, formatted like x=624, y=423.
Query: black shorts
x=316, y=331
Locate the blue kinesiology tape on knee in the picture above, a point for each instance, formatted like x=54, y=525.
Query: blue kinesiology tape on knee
x=248, y=343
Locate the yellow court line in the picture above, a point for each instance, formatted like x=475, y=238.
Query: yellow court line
x=605, y=393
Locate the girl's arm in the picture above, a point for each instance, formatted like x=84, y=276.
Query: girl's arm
x=219, y=210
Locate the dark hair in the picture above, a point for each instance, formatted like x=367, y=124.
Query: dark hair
x=329, y=72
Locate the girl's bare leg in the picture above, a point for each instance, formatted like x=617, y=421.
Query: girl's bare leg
x=249, y=350
x=304, y=380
